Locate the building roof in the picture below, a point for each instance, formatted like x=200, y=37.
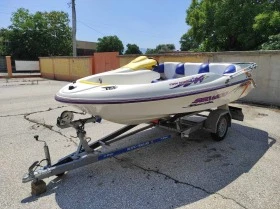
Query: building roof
x=86, y=45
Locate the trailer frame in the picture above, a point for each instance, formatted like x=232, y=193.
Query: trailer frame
x=216, y=121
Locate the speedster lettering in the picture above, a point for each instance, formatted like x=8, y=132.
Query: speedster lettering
x=208, y=99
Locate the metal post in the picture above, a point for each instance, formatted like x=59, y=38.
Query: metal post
x=81, y=135
x=47, y=154
x=74, y=29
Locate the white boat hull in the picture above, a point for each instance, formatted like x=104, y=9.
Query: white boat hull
x=140, y=103
x=141, y=112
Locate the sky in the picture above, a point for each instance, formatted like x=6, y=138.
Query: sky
x=146, y=23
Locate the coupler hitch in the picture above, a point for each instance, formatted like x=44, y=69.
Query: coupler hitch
x=37, y=186
x=37, y=172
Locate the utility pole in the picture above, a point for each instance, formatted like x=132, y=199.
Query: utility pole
x=74, y=43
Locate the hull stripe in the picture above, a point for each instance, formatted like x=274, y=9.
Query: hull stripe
x=83, y=101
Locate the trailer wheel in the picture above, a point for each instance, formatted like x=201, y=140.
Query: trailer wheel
x=222, y=128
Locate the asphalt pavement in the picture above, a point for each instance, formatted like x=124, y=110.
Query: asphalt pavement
x=242, y=171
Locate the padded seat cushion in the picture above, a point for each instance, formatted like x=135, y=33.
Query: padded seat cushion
x=180, y=71
x=230, y=69
x=204, y=68
x=191, y=68
x=170, y=70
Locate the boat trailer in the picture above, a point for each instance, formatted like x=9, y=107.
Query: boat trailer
x=216, y=121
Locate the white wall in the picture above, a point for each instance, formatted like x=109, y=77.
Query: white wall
x=27, y=65
x=267, y=74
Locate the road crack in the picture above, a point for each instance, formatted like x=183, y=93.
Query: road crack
x=6, y=116
x=27, y=114
x=176, y=181
x=50, y=127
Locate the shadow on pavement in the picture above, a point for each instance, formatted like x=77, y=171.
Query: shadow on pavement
x=166, y=175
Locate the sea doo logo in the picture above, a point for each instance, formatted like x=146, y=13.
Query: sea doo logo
x=186, y=83
x=207, y=100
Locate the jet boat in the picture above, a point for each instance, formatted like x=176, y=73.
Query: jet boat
x=144, y=90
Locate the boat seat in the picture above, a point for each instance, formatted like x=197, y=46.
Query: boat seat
x=231, y=69
x=191, y=68
x=167, y=70
x=170, y=70
x=160, y=69
x=223, y=68
x=204, y=68
x=218, y=68
x=179, y=71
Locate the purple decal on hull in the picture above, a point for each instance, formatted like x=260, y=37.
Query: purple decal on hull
x=207, y=100
x=188, y=82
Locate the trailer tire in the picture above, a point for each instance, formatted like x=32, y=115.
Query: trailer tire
x=222, y=128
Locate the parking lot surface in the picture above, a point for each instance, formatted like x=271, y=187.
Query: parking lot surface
x=242, y=171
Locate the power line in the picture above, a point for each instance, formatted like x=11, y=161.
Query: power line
x=154, y=35
x=151, y=35
x=91, y=28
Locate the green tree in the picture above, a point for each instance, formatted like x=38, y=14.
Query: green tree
x=39, y=34
x=132, y=49
x=4, y=43
x=225, y=25
x=110, y=44
x=273, y=43
x=267, y=25
x=151, y=51
x=188, y=43
x=161, y=48
x=165, y=48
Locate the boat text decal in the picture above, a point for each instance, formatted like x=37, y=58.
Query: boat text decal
x=188, y=82
x=207, y=100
